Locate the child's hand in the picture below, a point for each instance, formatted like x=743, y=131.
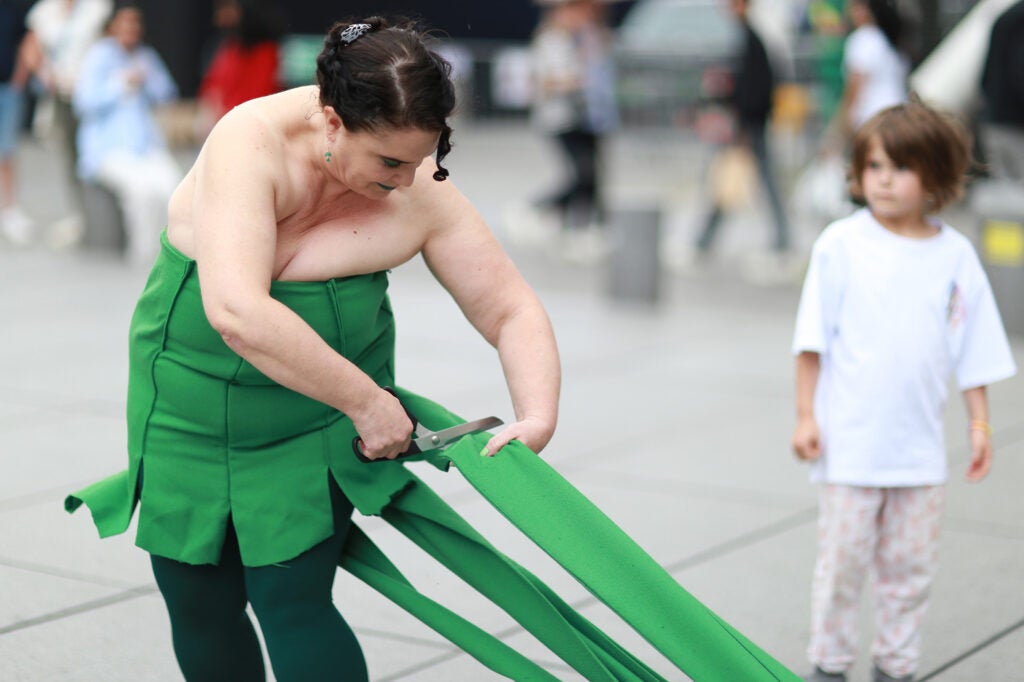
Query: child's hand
x=981, y=455
x=807, y=439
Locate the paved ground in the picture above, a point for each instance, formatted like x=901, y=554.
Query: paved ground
x=675, y=421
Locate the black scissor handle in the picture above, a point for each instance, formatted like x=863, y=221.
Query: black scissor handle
x=414, y=449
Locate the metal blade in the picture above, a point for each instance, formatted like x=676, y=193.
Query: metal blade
x=439, y=439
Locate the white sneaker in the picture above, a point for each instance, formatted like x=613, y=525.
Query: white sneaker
x=684, y=259
x=586, y=245
x=526, y=225
x=18, y=228
x=67, y=232
x=772, y=269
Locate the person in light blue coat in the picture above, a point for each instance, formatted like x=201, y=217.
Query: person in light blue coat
x=120, y=144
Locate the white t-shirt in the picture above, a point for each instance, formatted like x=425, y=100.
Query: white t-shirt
x=66, y=34
x=893, y=319
x=884, y=70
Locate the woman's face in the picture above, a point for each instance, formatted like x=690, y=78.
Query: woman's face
x=374, y=164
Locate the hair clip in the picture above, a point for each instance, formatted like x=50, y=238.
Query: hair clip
x=353, y=32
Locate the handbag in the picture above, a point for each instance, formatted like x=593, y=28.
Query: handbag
x=733, y=177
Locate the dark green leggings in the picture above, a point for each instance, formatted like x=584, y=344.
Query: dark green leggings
x=306, y=637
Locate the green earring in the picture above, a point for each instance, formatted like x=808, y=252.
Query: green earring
x=327, y=157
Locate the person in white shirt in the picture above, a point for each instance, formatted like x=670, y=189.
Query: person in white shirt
x=894, y=304
x=874, y=68
x=60, y=33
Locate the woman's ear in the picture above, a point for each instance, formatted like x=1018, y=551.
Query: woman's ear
x=333, y=120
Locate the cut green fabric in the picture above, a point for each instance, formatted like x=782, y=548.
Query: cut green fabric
x=210, y=438
x=534, y=497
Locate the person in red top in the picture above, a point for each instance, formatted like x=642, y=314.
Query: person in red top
x=246, y=61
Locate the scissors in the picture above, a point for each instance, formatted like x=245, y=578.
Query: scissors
x=424, y=440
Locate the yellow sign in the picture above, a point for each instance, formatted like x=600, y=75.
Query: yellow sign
x=1002, y=242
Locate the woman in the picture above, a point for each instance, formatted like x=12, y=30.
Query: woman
x=874, y=67
x=264, y=335
x=246, y=62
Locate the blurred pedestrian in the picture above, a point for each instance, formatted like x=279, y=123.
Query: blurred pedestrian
x=574, y=103
x=1002, y=85
x=61, y=33
x=828, y=33
x=120, y=142
x=895, y=303
x=264, y=335
x=750, y=99
x=16, y=226
x=246, y=62
x=875, y=66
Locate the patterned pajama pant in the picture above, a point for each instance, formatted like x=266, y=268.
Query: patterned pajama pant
x=894, y=534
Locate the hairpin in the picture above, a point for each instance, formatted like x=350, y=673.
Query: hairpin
x=353, y=32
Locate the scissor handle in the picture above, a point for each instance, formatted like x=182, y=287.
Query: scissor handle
x=357, y=442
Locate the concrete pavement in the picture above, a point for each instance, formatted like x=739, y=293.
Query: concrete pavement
x=675, y=421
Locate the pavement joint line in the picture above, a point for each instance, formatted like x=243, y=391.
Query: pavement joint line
x=977, y=648
x=999, y=531
x=41, y=496
x=407, y=639
x=43, y=569
x=423, y=665
x=85, y=607
x=784, y=525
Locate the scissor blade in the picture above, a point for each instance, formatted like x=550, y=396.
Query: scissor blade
x=438, y=439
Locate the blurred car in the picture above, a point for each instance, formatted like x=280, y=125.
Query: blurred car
x=674, y=60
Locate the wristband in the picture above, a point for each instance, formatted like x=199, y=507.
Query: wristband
x=979, y=425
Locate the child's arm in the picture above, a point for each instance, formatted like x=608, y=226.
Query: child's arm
x=979, y=433
x=806, y=437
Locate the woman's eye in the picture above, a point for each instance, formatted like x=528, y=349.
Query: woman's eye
x=391, y=163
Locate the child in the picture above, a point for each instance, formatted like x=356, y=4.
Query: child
x=895, y=302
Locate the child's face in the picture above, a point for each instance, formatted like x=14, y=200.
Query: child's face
x=892, y=192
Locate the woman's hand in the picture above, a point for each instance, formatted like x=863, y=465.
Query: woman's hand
x=532, y=432
x=383, y=426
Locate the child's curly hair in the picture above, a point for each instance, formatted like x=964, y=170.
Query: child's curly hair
x=933, y=144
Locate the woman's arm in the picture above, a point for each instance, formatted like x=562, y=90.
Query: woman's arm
x=235, y=241
x=468, y=261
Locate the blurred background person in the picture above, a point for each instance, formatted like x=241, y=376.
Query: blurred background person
x=60, y=33
x=1002, y=85
x=574, y=103
x=750, y=100
x=245, y=62
x=827, y=25
x=119, y=140
x=875, y=67
x=17, y=227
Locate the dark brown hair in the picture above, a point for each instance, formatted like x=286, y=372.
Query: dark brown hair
x=934, y=145
x=387, y=77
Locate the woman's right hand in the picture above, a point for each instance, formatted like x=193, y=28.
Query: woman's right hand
x=807, y=439
x=383, y=426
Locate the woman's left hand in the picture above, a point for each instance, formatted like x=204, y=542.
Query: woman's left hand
x=532, y=432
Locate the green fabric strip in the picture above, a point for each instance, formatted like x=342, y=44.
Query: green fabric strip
x=534, y=497
x=364, y=560
x=429, y=522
